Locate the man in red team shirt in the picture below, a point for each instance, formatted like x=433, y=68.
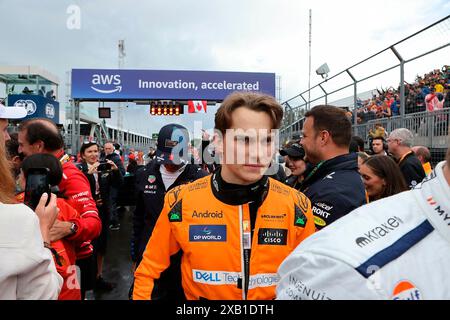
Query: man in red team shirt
x=42, y=136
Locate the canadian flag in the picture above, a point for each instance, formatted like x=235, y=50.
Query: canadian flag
x=197, y=106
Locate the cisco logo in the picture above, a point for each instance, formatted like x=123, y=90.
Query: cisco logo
x=106, y=83
x=29, y=105
x=49, y=110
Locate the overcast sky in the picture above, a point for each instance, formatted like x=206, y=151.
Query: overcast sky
x=220, y=35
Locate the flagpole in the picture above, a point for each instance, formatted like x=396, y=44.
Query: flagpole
x=309, y=77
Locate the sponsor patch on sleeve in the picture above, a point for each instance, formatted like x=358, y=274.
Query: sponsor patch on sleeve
x=302, y=201
x=300, y=218
x=175, y=214
x=173, y=195
x=319, y=222
x=322, y=212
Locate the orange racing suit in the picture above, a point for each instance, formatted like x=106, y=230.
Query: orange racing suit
x=214, y=235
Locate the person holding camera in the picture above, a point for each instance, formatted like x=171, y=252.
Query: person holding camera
x=33, y=169
x=42, y=136
x=102, y=176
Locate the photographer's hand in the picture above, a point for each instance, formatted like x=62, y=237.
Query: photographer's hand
x=93, y=168
x=113, y=165
x=47, y=215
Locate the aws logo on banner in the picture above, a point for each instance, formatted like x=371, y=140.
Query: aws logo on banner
x=105, y=82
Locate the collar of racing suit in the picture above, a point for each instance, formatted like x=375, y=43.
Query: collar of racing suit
x=234, y=194
x=433, y=194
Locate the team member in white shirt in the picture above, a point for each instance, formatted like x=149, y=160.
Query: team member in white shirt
x=394, y=248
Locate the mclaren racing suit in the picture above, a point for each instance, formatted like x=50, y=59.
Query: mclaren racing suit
x=394, y=248
x=226, y=254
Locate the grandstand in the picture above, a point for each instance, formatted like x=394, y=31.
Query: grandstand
x=422, y=106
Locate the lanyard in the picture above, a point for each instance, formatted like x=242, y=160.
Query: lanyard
x=404, y=156
x=313, y=171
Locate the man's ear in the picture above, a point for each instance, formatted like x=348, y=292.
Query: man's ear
x=39, y=146
x=325, y=137
x=16, y=160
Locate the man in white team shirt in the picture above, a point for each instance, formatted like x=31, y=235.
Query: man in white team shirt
x=395, y=248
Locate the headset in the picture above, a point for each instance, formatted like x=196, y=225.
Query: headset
x=385, y=144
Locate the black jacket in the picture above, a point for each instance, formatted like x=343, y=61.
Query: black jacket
x=335, y=188
x=292, y=181
x=411, y=169
x=150, y=192
x=280, y=175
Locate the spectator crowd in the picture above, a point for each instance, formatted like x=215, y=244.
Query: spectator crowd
x=428, y=93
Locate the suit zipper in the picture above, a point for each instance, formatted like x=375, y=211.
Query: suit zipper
x=243, y=268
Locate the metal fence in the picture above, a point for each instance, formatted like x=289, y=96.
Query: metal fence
x=436, y=36
x=429, y=128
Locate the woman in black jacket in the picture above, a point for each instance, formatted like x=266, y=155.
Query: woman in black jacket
x=295, y=161
x=101, y=176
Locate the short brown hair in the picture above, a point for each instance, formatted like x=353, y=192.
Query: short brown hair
x=335, y=121
x=44, y=130
x=251, y=100
x=424, y=152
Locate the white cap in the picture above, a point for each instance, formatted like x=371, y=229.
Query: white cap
x=12, y=112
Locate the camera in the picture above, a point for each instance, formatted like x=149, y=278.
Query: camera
x=37, y=183
x=104, y=166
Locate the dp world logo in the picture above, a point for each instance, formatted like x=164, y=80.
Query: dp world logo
x=49, y=110
x=206, y=231
x=108, y=83
x=29, y=105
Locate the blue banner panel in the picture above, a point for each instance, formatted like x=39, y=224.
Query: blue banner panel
x=37, y=106
x=109, y=84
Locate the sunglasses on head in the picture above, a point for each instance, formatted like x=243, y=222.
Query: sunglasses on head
x=90, y=142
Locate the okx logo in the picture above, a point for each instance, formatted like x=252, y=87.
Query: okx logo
x=405, y=290
x=106, y=83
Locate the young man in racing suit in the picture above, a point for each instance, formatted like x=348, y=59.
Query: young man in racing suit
x=396, y=248
x=237, y=225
